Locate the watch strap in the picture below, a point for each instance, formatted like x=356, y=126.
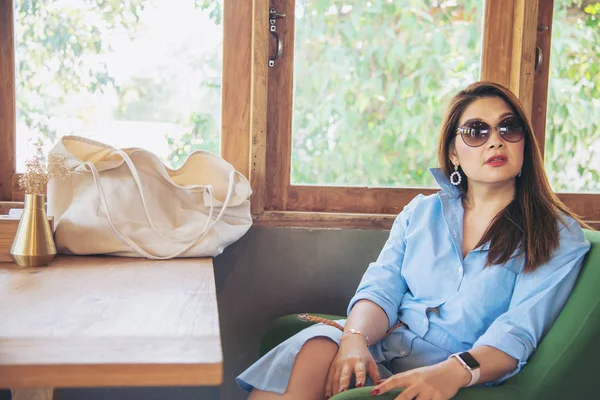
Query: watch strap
x=475, y=373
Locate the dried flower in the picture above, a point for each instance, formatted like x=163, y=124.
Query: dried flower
x=38, y=172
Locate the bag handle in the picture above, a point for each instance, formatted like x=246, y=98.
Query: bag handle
x=138, y=182
x=210, y=224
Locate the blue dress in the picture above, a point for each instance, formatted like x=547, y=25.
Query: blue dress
x=420, y=267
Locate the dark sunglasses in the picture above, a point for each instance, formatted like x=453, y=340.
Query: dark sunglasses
x=476, y=133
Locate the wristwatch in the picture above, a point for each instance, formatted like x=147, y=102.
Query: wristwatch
x=470, y=364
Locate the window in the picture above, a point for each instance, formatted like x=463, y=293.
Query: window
x=128, y=73
x=268, y=114
x=572, y=155
x=382, y=73
x=131, y=73
x=297, y=185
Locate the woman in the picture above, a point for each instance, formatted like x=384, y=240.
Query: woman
x=475, y=274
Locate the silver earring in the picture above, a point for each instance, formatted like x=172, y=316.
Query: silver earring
x=455, y=177
x=519, y=174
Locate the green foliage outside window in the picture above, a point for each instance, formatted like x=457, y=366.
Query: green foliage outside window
x=572, y=156
x=373, y=79
x=61, y=53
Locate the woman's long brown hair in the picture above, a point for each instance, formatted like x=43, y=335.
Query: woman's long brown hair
x=531, y=219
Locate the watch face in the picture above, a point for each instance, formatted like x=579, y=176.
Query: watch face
x=469, y=360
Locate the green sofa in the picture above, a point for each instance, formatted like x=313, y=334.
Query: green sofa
x=565, y=365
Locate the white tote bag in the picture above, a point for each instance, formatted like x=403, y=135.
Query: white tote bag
x=127, y=203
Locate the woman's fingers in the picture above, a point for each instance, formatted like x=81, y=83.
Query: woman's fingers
x=410, y=393
x=399, y=381
x=344, y=380
x=328, y=384
x=360, y=371
x=373, y=372
x=345, y=366
x=335, y=378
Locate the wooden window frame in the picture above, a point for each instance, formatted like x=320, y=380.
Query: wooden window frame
x=508, y=57
x=236, y=92
x=7, y=100
x=256, y=134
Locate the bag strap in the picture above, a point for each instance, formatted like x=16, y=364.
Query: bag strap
x=135, y=246
x=138, y=182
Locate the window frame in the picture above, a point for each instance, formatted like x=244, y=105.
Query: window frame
x=508, y=57
x=7, y=100
x=236, y=89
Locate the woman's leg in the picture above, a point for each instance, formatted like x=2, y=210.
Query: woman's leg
x=309, y=373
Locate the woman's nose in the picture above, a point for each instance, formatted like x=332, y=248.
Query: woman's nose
x=495, y=140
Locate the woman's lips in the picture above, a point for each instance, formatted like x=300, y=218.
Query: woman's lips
x=497, y=162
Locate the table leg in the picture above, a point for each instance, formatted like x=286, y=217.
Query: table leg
x=33, y=394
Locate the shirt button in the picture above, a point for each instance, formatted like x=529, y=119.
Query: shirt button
x=425, y=320
x=403, y=353
x=460, y=269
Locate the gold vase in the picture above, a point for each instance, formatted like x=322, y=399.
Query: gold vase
x=33, y=245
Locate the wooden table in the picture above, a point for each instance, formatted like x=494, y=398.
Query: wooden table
x=108, y=321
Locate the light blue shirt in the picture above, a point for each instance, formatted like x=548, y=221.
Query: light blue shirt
x=421, y=266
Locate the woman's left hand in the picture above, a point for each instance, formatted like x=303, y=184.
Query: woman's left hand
x=436, y=382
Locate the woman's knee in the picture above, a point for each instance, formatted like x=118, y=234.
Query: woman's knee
x=314, y=359
x=319, y=347
x=309, y=372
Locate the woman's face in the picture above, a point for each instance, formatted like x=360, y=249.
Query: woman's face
x=497, y=160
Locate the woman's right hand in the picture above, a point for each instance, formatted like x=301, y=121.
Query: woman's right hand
x=353, y=358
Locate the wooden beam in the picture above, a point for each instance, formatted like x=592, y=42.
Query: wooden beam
x=523, y=51
x=497, y=41
x=392, y=200
x=258, y=104
x=324, y=220
x=542, y=73
x=585, y=205
x=280, y=110
x=508, y=51
x=7, y=99
x=237, y=55
x=6, y=206
x=352, y=199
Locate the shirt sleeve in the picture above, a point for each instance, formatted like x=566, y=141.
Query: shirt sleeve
x=538, y=298
x=383, y=283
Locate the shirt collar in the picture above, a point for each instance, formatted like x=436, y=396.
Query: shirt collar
x=444, y=183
